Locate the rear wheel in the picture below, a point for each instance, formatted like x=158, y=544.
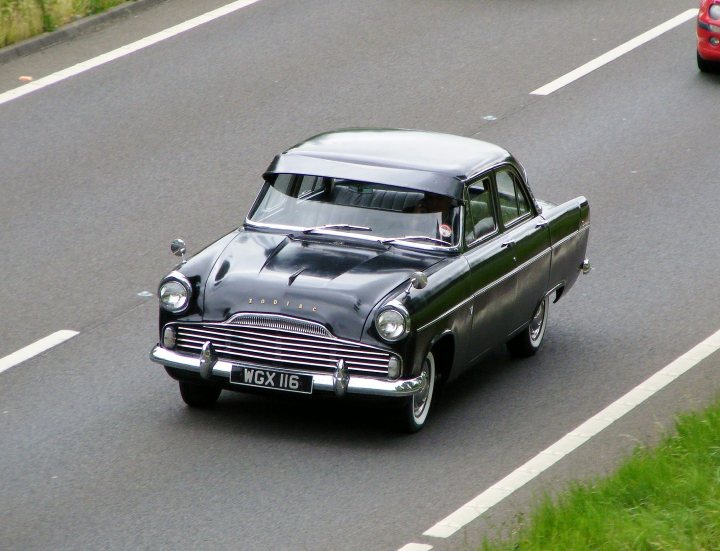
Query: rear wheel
x=528, y=342
x=198, y=395
x=414, y=410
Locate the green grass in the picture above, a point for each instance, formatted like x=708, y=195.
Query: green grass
x=21, y=19
x=665, y=498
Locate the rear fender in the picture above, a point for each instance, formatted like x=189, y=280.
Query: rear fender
x=568, y=225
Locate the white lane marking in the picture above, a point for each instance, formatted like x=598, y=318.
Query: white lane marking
x=38, y=347
x=615, y=53
x=548, y=457
x=123, y=51
x=415, y=547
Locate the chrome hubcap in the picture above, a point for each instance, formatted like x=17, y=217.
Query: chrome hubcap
x=536, y=324
x=420, y=399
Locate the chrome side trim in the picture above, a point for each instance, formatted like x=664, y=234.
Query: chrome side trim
x=508, y=275
x=444, y=315
x=321, y=381
x=514, y=272
x=487, y=288
x=571, y=236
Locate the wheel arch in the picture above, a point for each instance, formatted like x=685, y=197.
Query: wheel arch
x=443, y=348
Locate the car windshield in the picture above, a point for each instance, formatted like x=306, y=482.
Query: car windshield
x=317, y=204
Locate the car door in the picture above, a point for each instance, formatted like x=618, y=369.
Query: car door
x=491, y=266
x=526, y=236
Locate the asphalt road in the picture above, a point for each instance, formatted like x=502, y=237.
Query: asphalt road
x=99, y=172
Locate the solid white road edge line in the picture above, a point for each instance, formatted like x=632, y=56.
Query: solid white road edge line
x=615, y=53
x=545, y=459
x=38, y=347
x=123, y=51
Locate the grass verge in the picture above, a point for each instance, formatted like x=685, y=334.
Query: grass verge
x=21, y=19
x=665, y=498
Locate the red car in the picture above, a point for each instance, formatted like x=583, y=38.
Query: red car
x=708, y=36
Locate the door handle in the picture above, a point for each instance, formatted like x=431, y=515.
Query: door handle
x=508, y=245
x=542, y=224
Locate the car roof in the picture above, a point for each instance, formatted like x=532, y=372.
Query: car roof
x=429, y=161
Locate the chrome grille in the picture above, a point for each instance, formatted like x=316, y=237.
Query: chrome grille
x=281, y=341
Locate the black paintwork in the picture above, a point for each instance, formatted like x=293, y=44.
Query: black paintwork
x=428, y=161
x=334, y=282
x=476, y=298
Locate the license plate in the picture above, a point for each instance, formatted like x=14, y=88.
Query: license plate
x=271, y=378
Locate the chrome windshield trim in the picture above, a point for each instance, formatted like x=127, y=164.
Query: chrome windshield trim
x=397, y=241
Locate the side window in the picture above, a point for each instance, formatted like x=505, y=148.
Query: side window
x=479, y=217
x=309, y=184
x=512, y=200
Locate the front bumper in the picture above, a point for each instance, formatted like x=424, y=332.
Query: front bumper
x=339, y=382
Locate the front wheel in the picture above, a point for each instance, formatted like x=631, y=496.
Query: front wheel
x=198, y=395
x=415, y=408
x=528, y=342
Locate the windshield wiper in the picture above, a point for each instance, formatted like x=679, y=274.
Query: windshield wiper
x=336, y=227
x=416, y=238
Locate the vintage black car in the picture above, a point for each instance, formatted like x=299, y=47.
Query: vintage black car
x=375, y=262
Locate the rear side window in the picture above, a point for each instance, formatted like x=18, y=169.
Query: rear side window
x=511, y=197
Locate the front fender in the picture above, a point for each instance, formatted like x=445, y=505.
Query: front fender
x=435, y=311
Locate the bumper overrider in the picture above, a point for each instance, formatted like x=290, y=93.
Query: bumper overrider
x=207, y=366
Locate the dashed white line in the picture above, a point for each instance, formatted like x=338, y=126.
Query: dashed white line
x=551, y=455
x=123, y=51
x=38, y=347
x=615, y=53
x=415, y=547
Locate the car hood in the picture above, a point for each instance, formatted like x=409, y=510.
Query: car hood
x=334, y=282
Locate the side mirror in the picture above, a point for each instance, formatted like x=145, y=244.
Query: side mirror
x=419, y=280
x=177, y=247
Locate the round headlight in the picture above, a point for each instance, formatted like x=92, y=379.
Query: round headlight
x=714, y=11
x=392, y=324
x=174, y=296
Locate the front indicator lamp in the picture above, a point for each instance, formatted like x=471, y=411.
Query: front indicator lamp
x=169, y=337
x=394, y=368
